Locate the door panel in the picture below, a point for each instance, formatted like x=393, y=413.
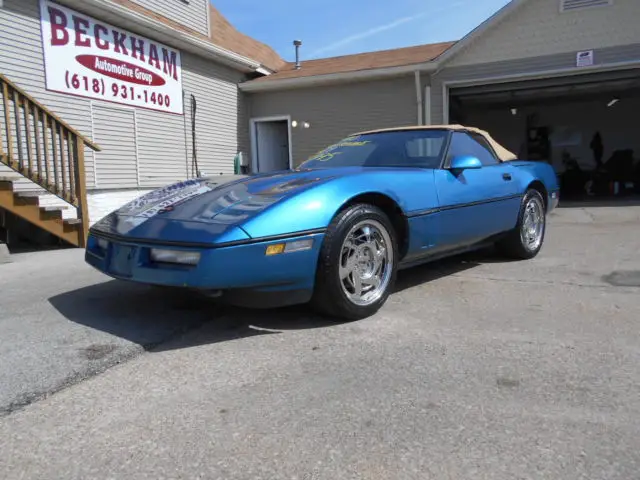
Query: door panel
x=475, y=203
x=272, y=146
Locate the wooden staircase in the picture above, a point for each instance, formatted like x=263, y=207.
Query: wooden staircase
x=40, y=147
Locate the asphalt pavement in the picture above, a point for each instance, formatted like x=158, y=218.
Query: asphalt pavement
x=476, y=368
x=61, y=322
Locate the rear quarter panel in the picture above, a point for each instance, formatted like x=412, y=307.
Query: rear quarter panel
x=529, y=172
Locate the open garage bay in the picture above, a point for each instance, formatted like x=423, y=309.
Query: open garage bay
x=584, y=125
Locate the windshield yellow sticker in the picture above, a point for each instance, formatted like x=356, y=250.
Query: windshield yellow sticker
x=328, y=153
x=324, y=156
x=352, y=144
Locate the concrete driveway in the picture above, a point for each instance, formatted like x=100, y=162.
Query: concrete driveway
x=476, y=368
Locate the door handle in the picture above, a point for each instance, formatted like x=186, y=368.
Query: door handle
x=506, y=177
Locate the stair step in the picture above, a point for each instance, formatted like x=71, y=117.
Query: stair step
x=73, y=221
x=46, y=200
x=51, y=201
x=25, y=199
x=9, y=178
x=51, y=214
x=54, y=208
x=49, y=220
x=29, y=194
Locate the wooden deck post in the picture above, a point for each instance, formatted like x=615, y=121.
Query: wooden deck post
x=81, y=189
x=7, y=124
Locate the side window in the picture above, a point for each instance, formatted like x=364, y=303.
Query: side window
x=424, y=147
x=471, y=144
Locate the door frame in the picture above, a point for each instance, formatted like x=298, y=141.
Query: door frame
x=253, y=125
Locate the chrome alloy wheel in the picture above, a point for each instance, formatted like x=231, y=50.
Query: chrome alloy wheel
x=366, y=262
x=532, y=224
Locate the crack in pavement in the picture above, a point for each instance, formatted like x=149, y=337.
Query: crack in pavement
x=119, y=356
x=27, y=399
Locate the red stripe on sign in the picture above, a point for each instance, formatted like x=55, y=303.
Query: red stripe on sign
x=120, y=70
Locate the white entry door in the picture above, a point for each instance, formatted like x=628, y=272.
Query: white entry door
x=272, y=145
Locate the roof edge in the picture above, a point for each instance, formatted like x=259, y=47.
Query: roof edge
x=226, y=56
x=315, y=80
x=224, y=34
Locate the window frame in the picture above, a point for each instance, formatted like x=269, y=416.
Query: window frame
x=447, y=157
x=480, y=139
x=443, y=155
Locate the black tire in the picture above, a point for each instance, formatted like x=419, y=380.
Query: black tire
x=513, y=245
x=329, y=297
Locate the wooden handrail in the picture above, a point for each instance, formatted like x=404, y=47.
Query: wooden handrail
x=87, y=141
x=42, y=147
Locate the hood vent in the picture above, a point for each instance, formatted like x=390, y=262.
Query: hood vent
x=573, y=5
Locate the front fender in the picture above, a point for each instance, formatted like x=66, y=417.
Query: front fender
x=313, y=209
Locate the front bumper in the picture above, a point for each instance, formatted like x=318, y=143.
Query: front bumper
x=241, y=268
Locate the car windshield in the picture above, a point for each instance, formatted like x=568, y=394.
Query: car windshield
x=403, y=148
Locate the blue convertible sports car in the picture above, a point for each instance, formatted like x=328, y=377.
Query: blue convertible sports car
x=335, y=230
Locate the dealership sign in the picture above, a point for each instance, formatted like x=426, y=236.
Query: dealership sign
x=89, y=58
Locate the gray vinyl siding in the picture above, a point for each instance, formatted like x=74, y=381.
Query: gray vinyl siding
x=190, y=13
x=21, y=60
x=525, y=66
x=244, y=115
x=538, y=28
x=114, y=130
x=161, y=148
x=219, y=110
x=163, y=140
x=339, y=110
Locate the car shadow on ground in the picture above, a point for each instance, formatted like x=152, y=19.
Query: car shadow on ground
x=158, y=319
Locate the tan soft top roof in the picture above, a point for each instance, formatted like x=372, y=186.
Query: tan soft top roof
x=503, y=154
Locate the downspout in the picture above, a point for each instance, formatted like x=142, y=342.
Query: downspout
x=427, y=104
x=419, y=96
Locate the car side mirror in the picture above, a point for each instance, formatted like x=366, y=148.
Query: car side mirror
x=465, y=162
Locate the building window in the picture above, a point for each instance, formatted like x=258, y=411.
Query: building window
x=573, y=5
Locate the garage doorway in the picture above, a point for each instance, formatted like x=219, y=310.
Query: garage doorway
x=584, y=125
x=271, y=144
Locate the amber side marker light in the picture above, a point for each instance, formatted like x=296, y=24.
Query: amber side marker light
x=289, y=247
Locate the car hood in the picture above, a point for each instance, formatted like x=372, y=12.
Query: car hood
x=212, y=206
